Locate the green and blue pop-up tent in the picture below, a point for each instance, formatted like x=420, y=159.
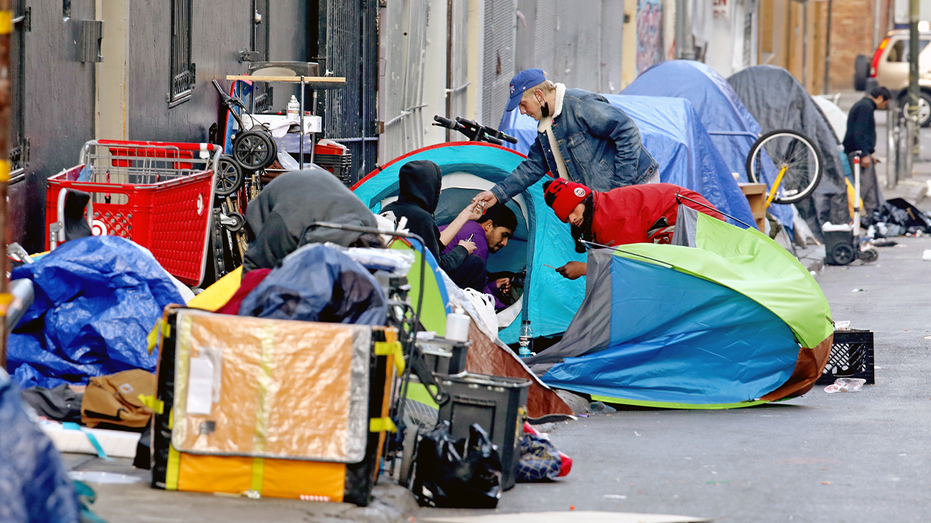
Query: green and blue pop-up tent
x=549, y=301
x=730, y=320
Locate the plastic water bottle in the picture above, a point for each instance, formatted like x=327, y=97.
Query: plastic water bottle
x=294, y=110
x=525, y=340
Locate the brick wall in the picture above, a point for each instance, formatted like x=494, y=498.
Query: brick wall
x=852, y=34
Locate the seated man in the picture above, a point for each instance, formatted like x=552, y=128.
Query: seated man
x=489, y=234
x=277, y=221
x=632, y=214
x=420, y=182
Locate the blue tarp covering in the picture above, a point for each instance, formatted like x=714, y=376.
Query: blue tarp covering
x=676, y=338
x=729, y=124
x=33, y=483
x=96, y=299
x=318, y=283
x=672, y=132
x=550, y=300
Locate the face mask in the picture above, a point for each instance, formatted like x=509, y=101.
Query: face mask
x=544, y=108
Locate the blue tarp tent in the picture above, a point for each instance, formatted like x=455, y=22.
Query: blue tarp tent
x=540, y=238
x=729, y=124
x=672, y=132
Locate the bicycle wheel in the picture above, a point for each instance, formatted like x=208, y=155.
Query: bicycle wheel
x=796, y=154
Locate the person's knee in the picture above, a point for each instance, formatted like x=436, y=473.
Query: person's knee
x=471, y=273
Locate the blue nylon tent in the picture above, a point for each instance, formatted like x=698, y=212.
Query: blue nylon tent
x=468, y=167
x=729, y=124
x=727, y=318
x=672, y=132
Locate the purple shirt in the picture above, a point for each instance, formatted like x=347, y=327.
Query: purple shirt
x=475, y=230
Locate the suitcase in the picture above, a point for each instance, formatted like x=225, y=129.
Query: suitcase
x=272, y=408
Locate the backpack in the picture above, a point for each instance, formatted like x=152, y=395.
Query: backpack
x=113, y=400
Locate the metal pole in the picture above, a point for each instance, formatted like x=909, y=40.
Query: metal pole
x=827, y=51
x=805, y=45
x=892, y=149
x=685, y=49
x=913, y=15
x=6, y=28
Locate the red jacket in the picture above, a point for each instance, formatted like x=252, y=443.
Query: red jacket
x=632, y=214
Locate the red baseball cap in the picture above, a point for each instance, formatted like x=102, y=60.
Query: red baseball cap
x=564, y=196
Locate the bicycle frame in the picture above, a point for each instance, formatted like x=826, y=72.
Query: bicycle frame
x=775, y=188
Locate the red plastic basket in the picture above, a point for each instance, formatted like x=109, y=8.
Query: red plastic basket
x=157, y=194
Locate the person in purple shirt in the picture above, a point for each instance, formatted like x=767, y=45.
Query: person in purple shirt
x=489, y=233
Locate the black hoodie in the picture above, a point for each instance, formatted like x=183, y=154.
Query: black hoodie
x=419, y=184
x=277, y=219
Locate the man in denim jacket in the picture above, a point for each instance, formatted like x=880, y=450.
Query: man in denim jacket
x=581, y=137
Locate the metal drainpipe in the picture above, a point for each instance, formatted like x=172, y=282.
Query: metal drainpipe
x=686, y=51
x=827, y=51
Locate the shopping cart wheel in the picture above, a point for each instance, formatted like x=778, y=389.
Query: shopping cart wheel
x=233, y=221
x=254, y=150
x=229, y=176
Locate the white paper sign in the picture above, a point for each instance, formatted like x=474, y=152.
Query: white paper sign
x=200, y=386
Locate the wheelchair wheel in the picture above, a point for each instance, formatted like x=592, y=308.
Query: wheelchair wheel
x=254, y=150
x=229, y=176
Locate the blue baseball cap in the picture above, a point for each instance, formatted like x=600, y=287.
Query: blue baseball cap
x=521, y=82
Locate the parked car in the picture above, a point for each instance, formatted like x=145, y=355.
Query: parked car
x=890, y=66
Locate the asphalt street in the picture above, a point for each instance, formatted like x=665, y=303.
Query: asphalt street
x=860, y=456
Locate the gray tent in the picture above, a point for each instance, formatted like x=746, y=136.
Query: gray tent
x=777, y=101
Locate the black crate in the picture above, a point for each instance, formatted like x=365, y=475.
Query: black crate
x=444, y=356
x=497, y=404
x=851, y=357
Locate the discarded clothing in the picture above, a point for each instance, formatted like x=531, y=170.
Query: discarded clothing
x=61, y=403
x=277, y=221
x=898, y=212
x=317, y=283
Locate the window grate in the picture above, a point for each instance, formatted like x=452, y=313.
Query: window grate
x=182, y=69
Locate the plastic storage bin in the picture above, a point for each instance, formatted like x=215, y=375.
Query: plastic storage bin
x=497, y=404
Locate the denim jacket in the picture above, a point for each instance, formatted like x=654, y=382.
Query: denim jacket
x=599, y=143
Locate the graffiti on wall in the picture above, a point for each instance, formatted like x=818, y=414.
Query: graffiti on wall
x=649, y=33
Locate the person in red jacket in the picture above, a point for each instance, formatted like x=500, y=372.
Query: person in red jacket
x=633, y=214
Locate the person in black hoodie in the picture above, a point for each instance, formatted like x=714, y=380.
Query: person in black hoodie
x=277, y=221
x=420, y=182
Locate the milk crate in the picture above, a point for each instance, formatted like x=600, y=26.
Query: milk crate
x=851, y=357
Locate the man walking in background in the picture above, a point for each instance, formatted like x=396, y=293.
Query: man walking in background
x=861, y=136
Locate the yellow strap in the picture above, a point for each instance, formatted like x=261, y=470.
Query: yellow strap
x=382, y=425
x=388, y=348
x=258, y=472
x=155, y=405
x=160, y=329
x=5, y=301
x=173, y=468
x=264, y=396
x=6, y=27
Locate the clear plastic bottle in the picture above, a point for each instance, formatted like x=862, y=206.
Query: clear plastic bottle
x=525, y=340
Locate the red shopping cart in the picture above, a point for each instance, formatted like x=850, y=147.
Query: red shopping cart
x=157, y=194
